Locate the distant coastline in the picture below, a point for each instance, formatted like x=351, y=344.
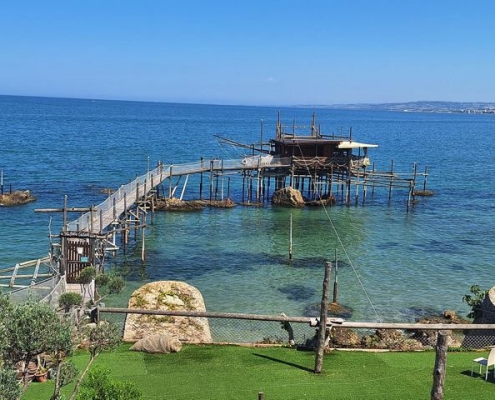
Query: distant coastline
x=420, y=106
x=445, y=107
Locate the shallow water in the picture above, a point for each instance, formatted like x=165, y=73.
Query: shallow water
x=393, y=265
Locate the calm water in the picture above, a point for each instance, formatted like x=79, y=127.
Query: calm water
x=393, y=264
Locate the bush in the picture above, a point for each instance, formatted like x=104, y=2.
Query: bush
x=9, y=388
x=116, y=284
x=68, y=373
x=475, y=301
x=99, y=386
x=86, y=275
x=69, y=299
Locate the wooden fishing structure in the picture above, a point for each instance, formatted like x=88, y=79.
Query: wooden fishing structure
x=320, y=166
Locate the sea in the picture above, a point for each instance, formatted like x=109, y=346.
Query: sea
x=394, y=263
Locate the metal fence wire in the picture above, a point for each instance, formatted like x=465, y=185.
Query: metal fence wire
x=301, y=332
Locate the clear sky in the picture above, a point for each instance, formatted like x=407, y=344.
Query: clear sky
x=252, y=52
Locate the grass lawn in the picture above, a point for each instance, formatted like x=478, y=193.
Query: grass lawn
x=233, y=372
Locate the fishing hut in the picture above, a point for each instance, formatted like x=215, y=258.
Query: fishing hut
x=318, y=161
x=314, y=163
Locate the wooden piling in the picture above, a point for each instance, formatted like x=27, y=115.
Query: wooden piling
x=322, y=326
x=290, y=237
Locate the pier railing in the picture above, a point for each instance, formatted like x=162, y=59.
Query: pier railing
x=110, y=210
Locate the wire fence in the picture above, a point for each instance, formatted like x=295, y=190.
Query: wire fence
x=49, y=290
x=301, y=331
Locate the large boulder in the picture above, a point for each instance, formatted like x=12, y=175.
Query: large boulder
x=483, y=338
x=171, y=296
x=288, y=197
x=487, y=309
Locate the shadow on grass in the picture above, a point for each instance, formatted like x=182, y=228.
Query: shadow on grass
x=284, y=362
x=477, y=375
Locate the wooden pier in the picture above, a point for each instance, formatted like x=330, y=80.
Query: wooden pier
x=319, y=166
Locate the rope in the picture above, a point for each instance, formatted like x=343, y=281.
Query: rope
x=341, y=243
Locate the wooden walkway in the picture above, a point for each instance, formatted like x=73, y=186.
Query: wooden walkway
x=109, y=212
x=85, y=240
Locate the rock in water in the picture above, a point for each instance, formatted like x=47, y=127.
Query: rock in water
x=288, y=197
x=171, y=296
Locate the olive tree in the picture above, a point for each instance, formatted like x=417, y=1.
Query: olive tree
x=31, y=329
x=98, y=338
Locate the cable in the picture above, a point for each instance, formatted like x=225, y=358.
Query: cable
x=339, y=239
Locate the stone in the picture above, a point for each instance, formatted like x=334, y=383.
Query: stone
x=483, y=338
x=488, y=308
x=171, y=296
x=16, y=198
x=157, y=343
x=288, y=197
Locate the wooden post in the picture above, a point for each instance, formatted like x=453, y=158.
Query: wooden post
x=322, y=329
x=211, y=180
x=64, y=229
x=440, y=364
x=243, y=184
x=143, y=234
x=335, y=283
x=425, y=177
x=261, y=396
x=290, y=238
x=412, y=184
x=391, y=180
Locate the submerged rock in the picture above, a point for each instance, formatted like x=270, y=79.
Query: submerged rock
x=334, y=310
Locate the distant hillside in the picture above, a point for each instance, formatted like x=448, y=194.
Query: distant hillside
x=423, y=106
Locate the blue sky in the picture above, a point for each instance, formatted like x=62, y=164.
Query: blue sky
x=251, y=52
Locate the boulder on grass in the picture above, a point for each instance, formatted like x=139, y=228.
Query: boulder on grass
x=157, y=343
x=167, y=296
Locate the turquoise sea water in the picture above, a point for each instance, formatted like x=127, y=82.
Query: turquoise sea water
x=393, y=264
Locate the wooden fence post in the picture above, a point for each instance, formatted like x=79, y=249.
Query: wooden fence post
x=322, y=330
x=440, y=364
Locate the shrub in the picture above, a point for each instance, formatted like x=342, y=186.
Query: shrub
x=99, y=386
x=475, y=301
x=69, y=299
x=9, y=388
x=86, y=275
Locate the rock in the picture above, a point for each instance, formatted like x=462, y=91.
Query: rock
x=16, y=198
x=157, y=343
x=428, y=338
x=324, y=201
x=487, y=309
x=344, y=337
x=174, y=204
x=483, y=338
x=172, y=296
x=390, y=339
x=288, y=197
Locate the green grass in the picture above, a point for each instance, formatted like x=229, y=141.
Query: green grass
x=232, y=372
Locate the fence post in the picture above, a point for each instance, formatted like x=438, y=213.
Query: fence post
x=440, y=364
x=322, y=330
